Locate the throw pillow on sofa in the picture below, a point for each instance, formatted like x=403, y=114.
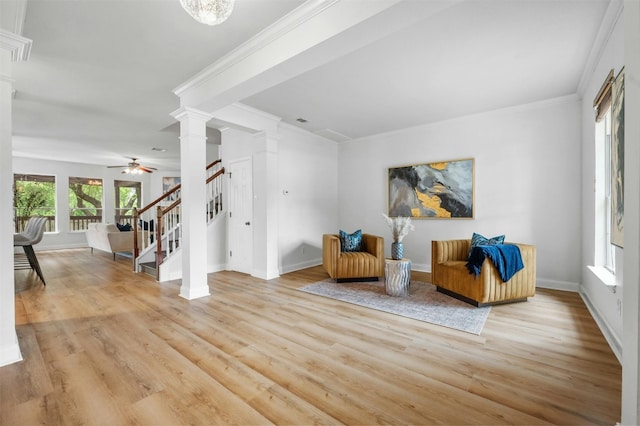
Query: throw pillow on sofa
x=124, y=228
x=351, y=242
x=479, y=240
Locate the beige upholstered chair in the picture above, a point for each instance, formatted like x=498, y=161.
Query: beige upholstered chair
x=353, y=266
x=449, y=273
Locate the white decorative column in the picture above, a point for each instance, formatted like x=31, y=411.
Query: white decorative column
x=193, y=163
x=12, y=48
x=265, y=207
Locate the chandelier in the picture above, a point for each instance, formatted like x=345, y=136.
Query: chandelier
x=210, y=12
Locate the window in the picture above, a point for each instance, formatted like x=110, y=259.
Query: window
x=603, y=128
x=604, y=251
x=128, y=197
x=34, y=195
x=85, y=202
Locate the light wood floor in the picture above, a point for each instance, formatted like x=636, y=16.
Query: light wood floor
x=102, y=345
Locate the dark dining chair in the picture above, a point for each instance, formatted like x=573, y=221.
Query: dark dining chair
x=31, y=236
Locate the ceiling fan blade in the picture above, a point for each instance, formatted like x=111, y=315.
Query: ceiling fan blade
x=134, y=167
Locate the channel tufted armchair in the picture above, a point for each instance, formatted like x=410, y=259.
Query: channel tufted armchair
x=450, y=275
x=353, y=266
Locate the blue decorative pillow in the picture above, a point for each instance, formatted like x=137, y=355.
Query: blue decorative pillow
x=479, y=240
x=351, y=242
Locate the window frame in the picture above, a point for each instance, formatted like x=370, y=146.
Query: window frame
x=19, y=219
x=604, y=255
x=117, y=184
x=97, y=218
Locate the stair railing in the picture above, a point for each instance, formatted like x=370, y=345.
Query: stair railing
x=214, y=194
x=145, y=223
x=163, y=228
x=168, y=232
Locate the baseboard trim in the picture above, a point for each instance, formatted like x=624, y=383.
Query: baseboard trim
x=285, y=269
x=557, y=285
x=421, y=267
x=216, y=268
x=614, y=342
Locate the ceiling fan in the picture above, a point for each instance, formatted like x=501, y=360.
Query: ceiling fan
x=134, y=168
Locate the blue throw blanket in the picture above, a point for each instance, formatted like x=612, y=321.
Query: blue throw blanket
x=506, y=258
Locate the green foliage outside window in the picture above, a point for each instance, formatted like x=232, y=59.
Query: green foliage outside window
x=34, y=195
x=128, y=196
x=128, y=200
x=85, y=202
x=85, y=197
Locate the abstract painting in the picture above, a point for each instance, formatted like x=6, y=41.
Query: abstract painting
x=432, y=190
x=617, y=161
x=167, y=184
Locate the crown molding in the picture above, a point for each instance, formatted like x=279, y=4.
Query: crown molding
x=12, y=15
x=265, y=37
x=5, y=79
x=255, y=111
x=572, y=98
x=189, y=112
x=20, y=47
x=20, y=16
x=247, y=117
x=609, y=22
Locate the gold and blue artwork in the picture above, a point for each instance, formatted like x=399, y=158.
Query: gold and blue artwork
x=432, y=190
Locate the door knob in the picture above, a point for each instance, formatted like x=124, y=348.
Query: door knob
x=247, y=223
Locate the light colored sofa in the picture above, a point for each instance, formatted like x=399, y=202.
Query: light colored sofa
x=451, y=276
x=107, y=237
x=352, y=266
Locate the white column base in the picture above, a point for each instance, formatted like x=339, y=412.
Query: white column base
x=10, y=353
x=265, y=275
x=194, y=293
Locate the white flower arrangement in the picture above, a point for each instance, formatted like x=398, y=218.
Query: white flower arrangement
x=400, y=227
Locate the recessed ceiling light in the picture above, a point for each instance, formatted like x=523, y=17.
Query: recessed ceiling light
x=158, y=149
x=301, y=120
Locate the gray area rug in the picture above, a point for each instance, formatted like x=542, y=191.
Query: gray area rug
x=423, y=303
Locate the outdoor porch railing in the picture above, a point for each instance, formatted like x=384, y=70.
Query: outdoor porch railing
x=21, y=221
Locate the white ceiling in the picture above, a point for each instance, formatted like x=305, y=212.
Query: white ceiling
x=473, y=57
x=98, y=85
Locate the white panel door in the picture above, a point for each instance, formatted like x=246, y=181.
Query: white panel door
x=240, y=216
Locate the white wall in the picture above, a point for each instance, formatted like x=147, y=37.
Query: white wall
x=631, y=301
x=308, y=179
x=155, y=179
x=62, y=171
x=601, y=300
x=307, y=190
x=527, y=183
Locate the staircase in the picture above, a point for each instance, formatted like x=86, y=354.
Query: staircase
x=157, y=234
x=149, y=268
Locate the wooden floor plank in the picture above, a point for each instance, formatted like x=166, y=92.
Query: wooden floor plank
x=104, y=345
